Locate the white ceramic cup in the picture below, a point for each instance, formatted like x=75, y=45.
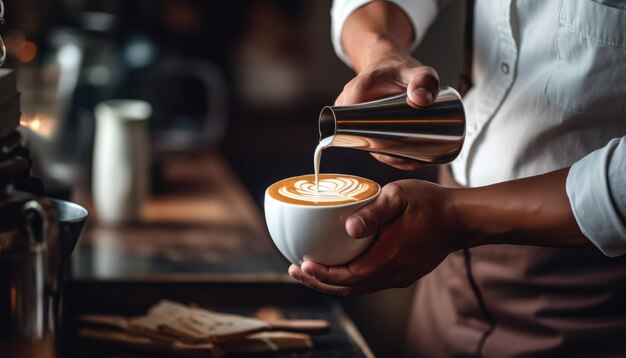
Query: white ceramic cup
x=315, y=233
x=121, y=160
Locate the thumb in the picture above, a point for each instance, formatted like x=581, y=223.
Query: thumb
x=371, y=218
x=423, y=86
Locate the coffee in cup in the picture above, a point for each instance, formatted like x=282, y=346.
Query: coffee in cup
x=307, y=222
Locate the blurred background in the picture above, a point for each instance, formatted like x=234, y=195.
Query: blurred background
x=243, y=78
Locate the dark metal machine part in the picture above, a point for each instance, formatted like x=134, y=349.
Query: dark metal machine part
x=37, y=234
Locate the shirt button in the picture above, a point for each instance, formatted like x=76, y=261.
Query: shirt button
x=504, y=67
x=472, y=127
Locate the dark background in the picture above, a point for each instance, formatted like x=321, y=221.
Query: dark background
x=276, y=69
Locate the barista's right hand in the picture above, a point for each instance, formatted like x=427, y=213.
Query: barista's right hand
x=388, y=75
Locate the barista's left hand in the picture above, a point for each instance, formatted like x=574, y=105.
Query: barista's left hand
x=417, y=230
x=420, y=223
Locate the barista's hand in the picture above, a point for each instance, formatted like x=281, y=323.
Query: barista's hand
x=417, y=230
x=389, y=75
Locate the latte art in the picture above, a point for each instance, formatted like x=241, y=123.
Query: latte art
x=333, y=189
x=338, y=189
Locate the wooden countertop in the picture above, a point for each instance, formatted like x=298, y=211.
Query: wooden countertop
x=203, y=224
x=204, y=241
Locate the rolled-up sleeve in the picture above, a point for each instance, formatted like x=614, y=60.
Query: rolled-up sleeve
x=596, y=187
x=421, y=13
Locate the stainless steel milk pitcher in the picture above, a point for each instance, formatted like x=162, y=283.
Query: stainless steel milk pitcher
x=37, y=235
x=28, y=260
x=391, y=126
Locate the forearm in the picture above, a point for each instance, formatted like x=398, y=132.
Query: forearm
x=376, y=30
x=529, y=211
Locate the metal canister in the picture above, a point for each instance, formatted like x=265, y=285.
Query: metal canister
x=28, y=252
x=392, y=126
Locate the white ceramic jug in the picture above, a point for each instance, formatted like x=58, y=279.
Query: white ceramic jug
x=121, y=160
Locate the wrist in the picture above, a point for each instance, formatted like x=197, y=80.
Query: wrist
x=372, y=48
x=529, y=211
x=380, y=28
x=475, y=222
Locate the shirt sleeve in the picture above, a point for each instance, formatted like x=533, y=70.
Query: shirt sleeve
x=596, y=187
x=421, y=13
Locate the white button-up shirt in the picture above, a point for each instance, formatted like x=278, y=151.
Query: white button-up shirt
x=549, y=88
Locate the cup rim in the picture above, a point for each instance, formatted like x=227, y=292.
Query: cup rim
x=371, y=198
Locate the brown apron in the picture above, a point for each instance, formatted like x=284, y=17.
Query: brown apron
x=511, y=300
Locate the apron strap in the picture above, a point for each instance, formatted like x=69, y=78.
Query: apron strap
x=464, y=82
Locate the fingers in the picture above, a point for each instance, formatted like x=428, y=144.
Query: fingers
x=402, y=164
x=423, y=86
x=327, y=286
x=311, y=282
x=333, y=275
x=367, y=221
x=367, y=88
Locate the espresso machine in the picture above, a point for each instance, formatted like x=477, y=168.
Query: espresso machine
x=37, y=235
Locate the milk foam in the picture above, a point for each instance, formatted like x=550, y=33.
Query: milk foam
x=317, y=158
x=339, y=189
